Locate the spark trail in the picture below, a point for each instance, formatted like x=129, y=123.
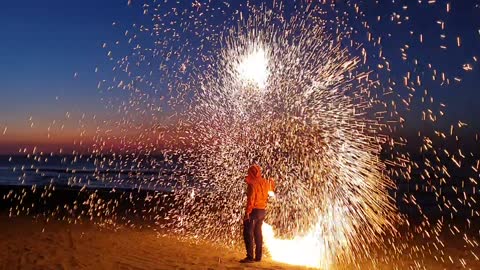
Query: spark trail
x=324, y=97
x=309, y=90
x=294, y=103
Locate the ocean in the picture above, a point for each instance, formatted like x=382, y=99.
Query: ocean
x=78, y=171
x=153, y=174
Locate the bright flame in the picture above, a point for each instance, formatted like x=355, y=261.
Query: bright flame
x=253, y=68
x=319, y=247
x=301, y=250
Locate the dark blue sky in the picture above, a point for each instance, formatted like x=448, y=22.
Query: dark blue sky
x=44, y=43
x=463, y=20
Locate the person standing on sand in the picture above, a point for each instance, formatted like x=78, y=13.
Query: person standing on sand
x=258, y=189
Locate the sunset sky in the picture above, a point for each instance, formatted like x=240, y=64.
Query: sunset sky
x=44, y=44
x=50, y=49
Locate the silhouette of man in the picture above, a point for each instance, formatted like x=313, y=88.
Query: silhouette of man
x=257, y=198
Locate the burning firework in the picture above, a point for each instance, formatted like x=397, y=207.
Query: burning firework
x=296, y=104
x=301, y=91
x=300, y=124
x=312, y=92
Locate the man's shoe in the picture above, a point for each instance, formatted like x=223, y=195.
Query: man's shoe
x=258, y=259
x=247, y=260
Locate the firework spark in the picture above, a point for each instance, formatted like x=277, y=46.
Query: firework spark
x=290, y=103
x=312, y=93
x=307, y=97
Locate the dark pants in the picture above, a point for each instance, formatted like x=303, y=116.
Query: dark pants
x=252, y=229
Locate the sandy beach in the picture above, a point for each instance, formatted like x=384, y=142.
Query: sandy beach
x=32, y=243
x=50, y=236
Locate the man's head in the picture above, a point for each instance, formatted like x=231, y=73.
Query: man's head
x=254, y=172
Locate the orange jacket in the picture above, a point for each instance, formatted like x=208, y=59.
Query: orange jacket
x=257, y=190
